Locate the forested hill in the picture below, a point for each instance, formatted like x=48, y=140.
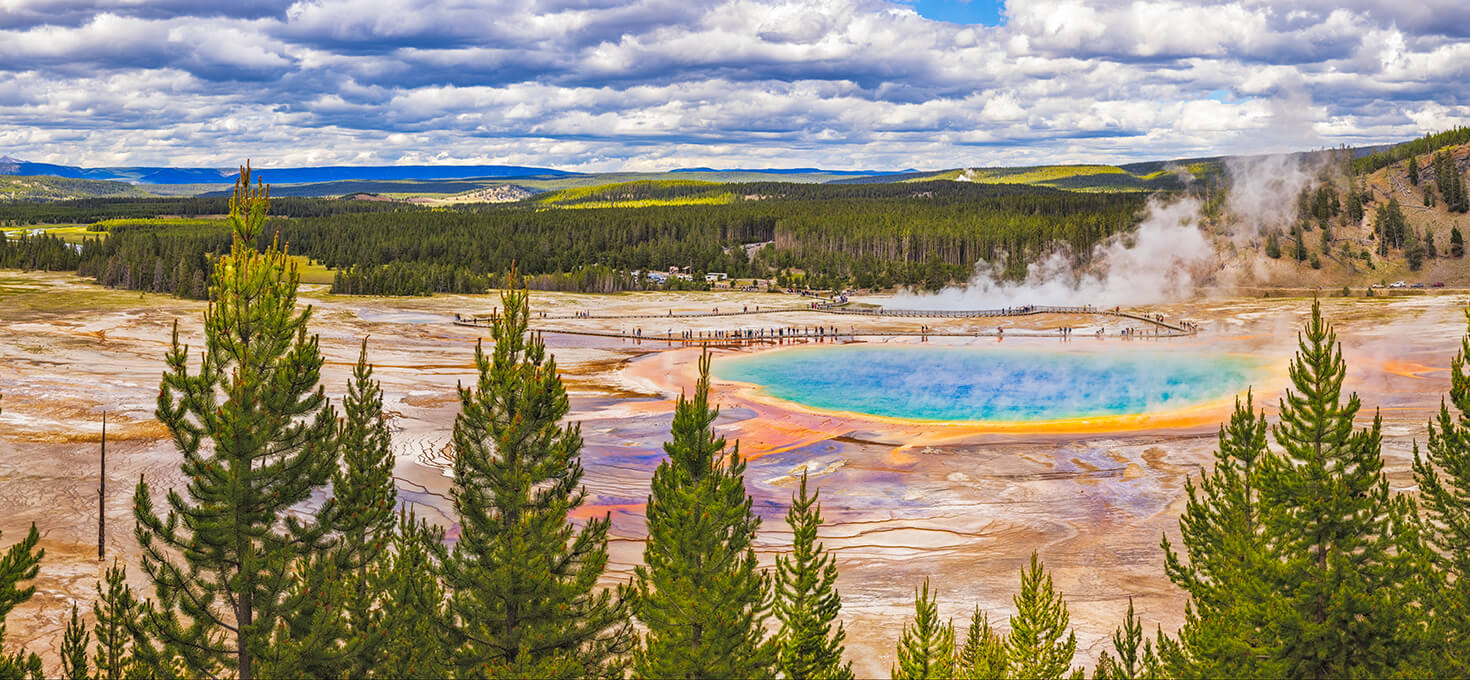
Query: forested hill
x=45, y=188
x=1400, y=213
x=818, y=236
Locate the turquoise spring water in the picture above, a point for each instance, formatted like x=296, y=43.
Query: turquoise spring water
x=991, y=383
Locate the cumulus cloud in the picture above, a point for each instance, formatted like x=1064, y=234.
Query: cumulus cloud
x=650, y=84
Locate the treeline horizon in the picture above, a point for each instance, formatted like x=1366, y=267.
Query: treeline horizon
x=921, y=234
x=1297, y=559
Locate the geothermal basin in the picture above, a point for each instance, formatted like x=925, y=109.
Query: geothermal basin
x=1013, y=385
x=909, y=489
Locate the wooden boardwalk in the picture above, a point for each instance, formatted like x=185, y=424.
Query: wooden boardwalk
x=1030, y=310
x=1161, y=327
x=840, y=336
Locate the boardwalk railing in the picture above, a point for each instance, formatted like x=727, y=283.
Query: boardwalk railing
x=1028, y=310
x=768, y=335
x=961, y=313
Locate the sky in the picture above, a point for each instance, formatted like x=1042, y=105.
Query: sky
x=603, y=85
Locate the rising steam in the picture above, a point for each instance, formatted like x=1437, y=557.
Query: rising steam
x=1164, y=259
x=1263, y=191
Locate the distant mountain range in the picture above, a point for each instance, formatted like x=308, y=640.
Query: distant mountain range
x=338, y=173
x=330, y=173
x=146, y=175
x=799, y=171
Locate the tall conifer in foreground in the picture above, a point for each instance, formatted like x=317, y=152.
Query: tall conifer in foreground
x=807, y=602
x=115, y=610
x=983, y=655
x=364, y=497
x=1035, y=646
x=362, y=489
x=74, y=641
x=699, y=592
x=1340, y=606
x=21, y=562
x=1443, y=475
x=257, y=438
x=1225, y=575
x=926, y=650
x=412, y=606
x=333, y=623
x=522, y=580
x=1127, y=645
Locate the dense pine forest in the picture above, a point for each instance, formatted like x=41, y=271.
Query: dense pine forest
x=818, y=236
x=90, y=210
x=1297, y=558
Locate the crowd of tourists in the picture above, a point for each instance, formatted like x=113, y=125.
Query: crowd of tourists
x=740, y=334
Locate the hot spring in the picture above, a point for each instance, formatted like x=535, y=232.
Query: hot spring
x=1010, y=384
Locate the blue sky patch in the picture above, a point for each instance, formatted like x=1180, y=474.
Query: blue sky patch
x=986, y=12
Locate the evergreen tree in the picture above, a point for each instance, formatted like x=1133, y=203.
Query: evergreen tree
x=1389, y=226
x=1414, y=250
x=74, y=641
x=347, y=625
x=1451, y=183
x=1164, y=657
x=116, y=610
x=362, y=489
x=1457, y=242
x=807, y=602
x=1355, y=206
x=1442, y=178
x=1430, y=250
x=1300, y=248
x=311, y=637
x=699, y=592
x=522, y=580
x=1339, y=539
x=412, y=607
x=1130, y=663
x=223, y=556
x=1035, y=647
x=21, y=562
x=926, y=650
x=983, y=656
x=1226, y=573
x=1273, y=246
x=1443, y=476
x=1414, y=170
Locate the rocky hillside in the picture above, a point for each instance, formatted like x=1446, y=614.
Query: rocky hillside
x=496, y=193
x=46, y=188
x=1352, y=253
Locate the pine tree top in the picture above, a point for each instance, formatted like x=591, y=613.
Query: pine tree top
x=926, y=648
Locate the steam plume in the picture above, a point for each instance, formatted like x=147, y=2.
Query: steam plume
x=1164, y=259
